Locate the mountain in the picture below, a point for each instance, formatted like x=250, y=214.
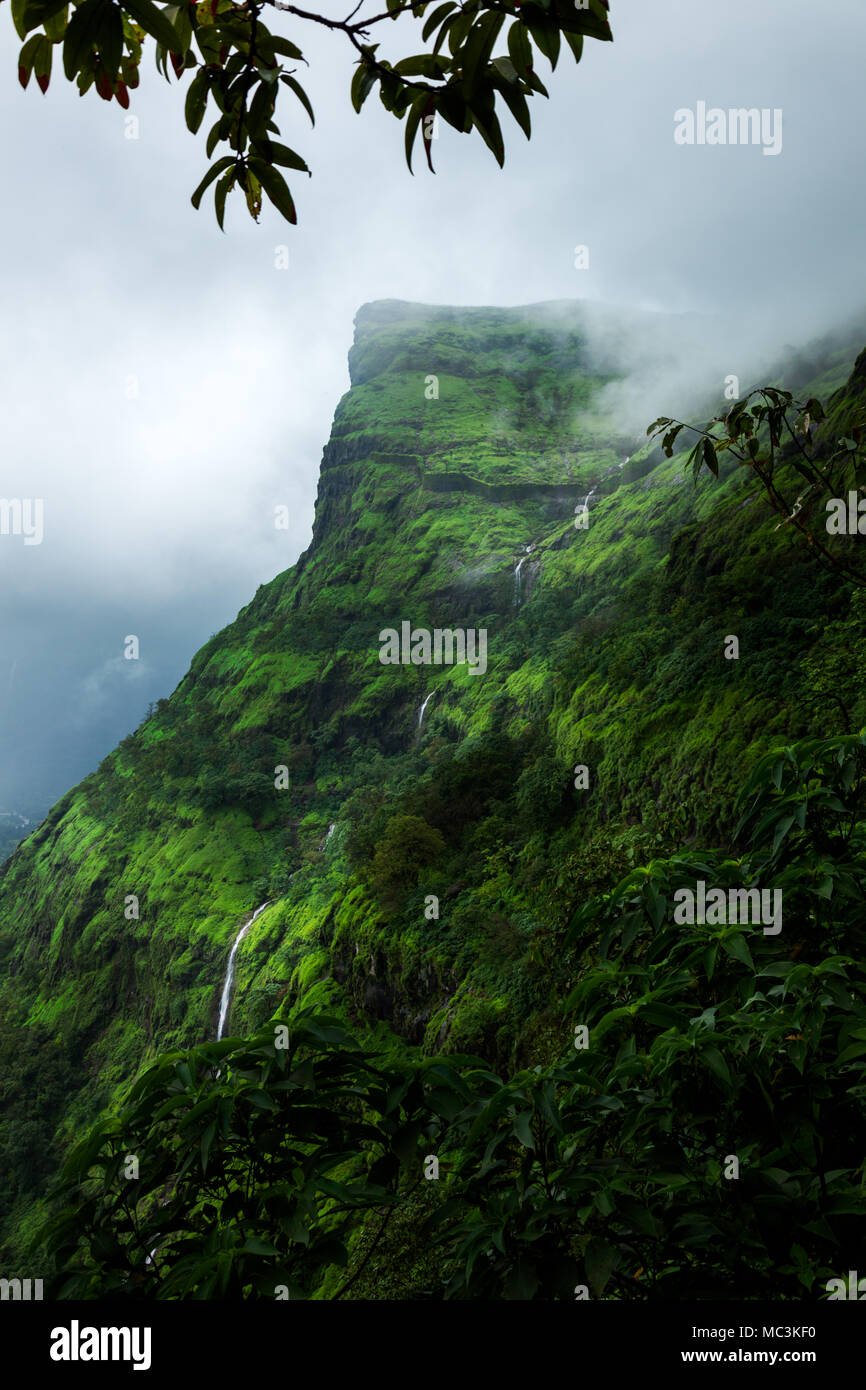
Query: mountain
x=474, y=481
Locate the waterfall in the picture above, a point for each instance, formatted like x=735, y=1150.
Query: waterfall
x=527, y=551
x=331, y=828
x=423, y=707
x=230, y=971
x=583, y=509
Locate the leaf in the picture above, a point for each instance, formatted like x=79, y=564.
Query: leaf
x=478, y=47
x=713, y=1059
x=413, y=120
x=276, y=188
x=196, y=101
x=19, y=11
x=206, y=1141
x=80, y=36
x=522, y=1280
x=506, y=68
x=516, y=103
x=301, y=95
x=29, y=14
x=547, y=39
x=276, y=153
x=522, y=1131
x=710, y=458
x=520, y=49
x=254, y=1246
x=736, y=946
x=156, y=23
x=782, y=829
x=226, y=162
x=600, y=1260
x=435, y=19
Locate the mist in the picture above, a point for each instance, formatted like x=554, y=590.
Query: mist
x=166, y=387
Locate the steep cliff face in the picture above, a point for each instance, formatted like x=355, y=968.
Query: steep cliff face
x=447, y=501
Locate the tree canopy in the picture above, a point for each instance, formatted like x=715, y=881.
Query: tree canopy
x=230, y=57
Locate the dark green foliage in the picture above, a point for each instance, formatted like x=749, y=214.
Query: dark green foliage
x=608, y=1170
x=612, y=658
x=240, y=66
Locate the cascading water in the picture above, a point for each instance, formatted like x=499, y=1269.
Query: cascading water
x=527, y=551
x=230, y=971
x=583, y=509
x=423, y=707
x=331, y=828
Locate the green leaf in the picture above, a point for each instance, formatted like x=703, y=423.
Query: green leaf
x=301, y=95
x=435, y=19
x=520, y=50
x=479, y=46
x=522, y=1131
x=516, y=103
x=30, y=14
x=81, y=32
x=206, y=1141
x=362, y=84
x=156, y=23
x=736, y=946
x=226, y=162
x=413, y=120
x=506, y=68
x=709, y=457
x=196, y=100
x=254, y=1246
x=713, y=1059
x=600, y=1261
x=522, y=1280
x=547, y=38
x=286, y=49
x=276, y=188
x=275, y=153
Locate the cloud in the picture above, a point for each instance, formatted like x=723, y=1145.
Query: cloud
x=159, y=508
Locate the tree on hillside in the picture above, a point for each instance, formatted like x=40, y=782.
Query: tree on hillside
x=230, y=57
x=811, y=477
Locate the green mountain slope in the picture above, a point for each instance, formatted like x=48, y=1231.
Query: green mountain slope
x=607, y=650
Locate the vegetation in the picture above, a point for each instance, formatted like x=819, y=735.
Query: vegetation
x=704, y=1142
x=236, y=62
x=554, y=889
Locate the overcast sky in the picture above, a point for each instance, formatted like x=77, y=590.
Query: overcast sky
x=159, y=506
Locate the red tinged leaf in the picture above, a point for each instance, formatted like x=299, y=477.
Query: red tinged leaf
x=24, y=76
x=43, y=81
x=177, y=63
x=122, y=95
x=104, y=87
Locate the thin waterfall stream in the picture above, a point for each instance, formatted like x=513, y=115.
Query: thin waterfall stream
x=527, y=551
x=230, y=970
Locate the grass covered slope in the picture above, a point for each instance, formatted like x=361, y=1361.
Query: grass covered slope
x=118, y=912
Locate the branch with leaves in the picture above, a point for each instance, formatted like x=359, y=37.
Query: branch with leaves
x=779, y=439
x=239, y=65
